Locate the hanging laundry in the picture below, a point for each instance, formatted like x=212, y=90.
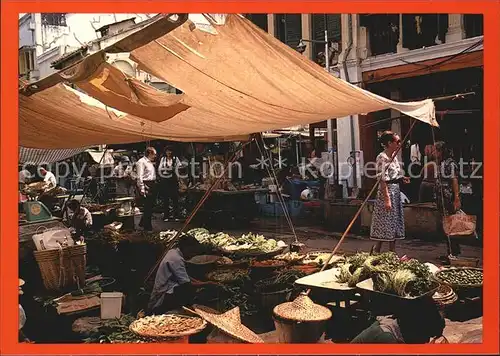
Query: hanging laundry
x=415, y=155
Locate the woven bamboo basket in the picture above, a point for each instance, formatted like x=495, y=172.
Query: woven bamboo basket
x=62, y=268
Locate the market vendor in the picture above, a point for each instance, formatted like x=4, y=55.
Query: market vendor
x=24, y=178
x=146, y=186
x=24, y=175
x=49, y=178
x=125, y=185
x=173, y=287
x=78, y=217
x=416, y=323
x=169, y=183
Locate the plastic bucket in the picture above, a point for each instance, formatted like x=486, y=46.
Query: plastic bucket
x=111, y=305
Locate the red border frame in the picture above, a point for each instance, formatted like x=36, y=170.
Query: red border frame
x=9, y=143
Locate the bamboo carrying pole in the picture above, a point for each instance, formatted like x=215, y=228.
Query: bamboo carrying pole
x=335, y=249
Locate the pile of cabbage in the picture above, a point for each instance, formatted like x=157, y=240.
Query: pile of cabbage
x=246, y=243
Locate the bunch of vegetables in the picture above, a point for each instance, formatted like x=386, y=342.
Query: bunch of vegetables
x=202, y=235
x=290, y=257
x=115, y=237
x=252, y=243
x=247, y=243
x=390, y=274
x=115, y=331
x=236, y=297
x=229, y=275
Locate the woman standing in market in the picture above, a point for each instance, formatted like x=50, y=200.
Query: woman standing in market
x=447, y=189
x=388, y=220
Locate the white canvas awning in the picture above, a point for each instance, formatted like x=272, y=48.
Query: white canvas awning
x=236, y=79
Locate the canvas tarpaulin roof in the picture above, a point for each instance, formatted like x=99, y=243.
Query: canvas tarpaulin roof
x=255, y=81
x=113, y=88
x=236, y=80
x=62, y=117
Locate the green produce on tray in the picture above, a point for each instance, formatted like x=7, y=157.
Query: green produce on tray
x=461, y=276
x=248, y=243
x=405, y=278
x=227, y=275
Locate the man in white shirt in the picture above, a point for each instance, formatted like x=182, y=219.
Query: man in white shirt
x=49, y=178
x=146, y=186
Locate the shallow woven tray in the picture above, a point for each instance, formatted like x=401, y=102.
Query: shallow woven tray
x=449, y=296
x=196, y=330
x=258, y=265
x=290, y=260
x=250, y=253
x=210, y=276
x=326, y=279
x=458, y=285
x=367, y=285
x=203, y=260
x=308, y=262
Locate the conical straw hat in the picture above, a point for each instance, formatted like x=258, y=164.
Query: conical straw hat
x=228, y=322
x=302, y=309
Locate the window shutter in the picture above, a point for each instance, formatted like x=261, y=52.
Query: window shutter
x=260, y=20
x=293, y=29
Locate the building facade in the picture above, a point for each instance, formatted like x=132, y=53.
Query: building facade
x=400, y=56
x=48, y=41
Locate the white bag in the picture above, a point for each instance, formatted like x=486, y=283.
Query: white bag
x=53, y=239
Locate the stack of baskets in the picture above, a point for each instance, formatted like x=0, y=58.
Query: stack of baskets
x=445, y=296
x=64, y=268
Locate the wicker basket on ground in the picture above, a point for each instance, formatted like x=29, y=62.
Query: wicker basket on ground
x=64, y=268
x=300, y=321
